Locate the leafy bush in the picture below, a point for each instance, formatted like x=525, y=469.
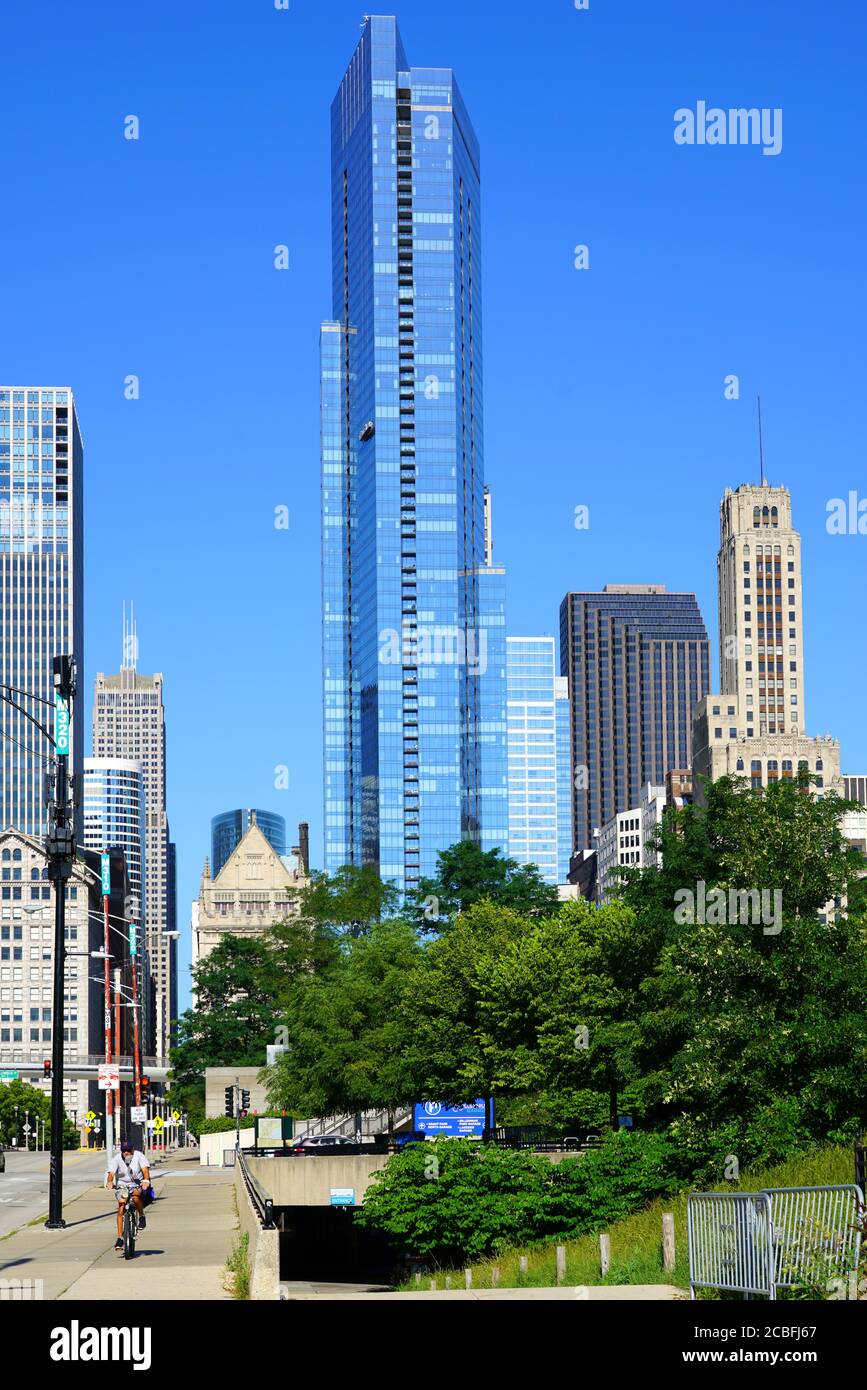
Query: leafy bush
x=452, y=1200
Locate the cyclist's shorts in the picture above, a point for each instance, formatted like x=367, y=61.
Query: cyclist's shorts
x=132, y=1187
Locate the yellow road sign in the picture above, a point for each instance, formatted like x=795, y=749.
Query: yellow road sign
x=91, y=1115
x=158, y=1123
x=175, y=1116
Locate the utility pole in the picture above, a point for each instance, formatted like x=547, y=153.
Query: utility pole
x=237, y=1114
x=118, y=1047
x=60, y=850
x=105, y=873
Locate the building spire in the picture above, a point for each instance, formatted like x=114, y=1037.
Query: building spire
x=130, y=640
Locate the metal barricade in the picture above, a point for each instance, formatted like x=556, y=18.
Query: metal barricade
x=730, y=1246
x=759, y=1242
x=817, y=1233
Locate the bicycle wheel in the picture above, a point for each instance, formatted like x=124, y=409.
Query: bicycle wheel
x=129, y=1230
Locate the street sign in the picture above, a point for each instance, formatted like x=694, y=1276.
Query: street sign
x=451, y=1121
x=158, y=1123
x=8, y=1076
x=27, y=1128
x=138, y=1114
x=109, y=1076
x=61, y=725
x=176, y=1116
x=105, y=873
x=343, y=1196
x=133, y=941
x=90, y=1116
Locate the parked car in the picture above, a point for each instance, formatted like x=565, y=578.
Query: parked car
x=321, y=1141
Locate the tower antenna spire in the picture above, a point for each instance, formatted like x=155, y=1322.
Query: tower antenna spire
x=761, y=450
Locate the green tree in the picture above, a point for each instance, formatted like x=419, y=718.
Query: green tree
x=234, y=1019
x=30, y=1100
x=346, y=1045
x=467, y=874
x=451, y=1048
x=750, y=1035
x=349, y=901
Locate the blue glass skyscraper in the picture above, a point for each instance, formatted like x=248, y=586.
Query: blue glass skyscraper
x=229, y=828
x=413, y=617
x=540, y=803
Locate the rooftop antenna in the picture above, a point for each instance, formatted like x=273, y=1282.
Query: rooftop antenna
x=761, y=451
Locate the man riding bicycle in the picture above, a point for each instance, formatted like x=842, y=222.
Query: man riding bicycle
x=128, y=1173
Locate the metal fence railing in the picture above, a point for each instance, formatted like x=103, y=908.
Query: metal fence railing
x=817, y=1233
x=759, y=1242
x=729, y=1236
x=260, y=1198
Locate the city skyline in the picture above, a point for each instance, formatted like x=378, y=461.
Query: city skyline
x=602, y=426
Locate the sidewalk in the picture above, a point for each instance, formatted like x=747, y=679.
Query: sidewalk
x=180, y=1255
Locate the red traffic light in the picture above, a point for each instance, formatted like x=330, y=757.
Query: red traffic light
x=46, y=1069
x=145, y=1083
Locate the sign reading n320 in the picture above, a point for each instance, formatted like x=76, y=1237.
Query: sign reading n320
x=61, y=725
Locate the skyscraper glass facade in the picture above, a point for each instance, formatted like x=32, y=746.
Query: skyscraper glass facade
x=41, y=586
x=114, y=815
x=230, y=827
x=413, y=617
x=539, y=803
x=637, y=659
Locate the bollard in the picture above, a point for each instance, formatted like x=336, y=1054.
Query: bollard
x=468, y=1278
x=668, y=1251
x=604, y=1254
x=448, y=1281
x=561, y=1264
x=495, y=1276
x=523, y=1264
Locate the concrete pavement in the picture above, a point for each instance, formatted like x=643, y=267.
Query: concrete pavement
x=24, y=1185
x=181, y=1254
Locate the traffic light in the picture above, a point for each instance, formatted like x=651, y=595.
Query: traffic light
x=245, y=1100
x=145, y=1085
x=46, y=1069
x=230, y=1101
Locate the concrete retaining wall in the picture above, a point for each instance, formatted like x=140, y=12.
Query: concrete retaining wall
x=308, y=1180
x=264, y=1246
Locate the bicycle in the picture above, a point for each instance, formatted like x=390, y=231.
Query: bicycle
x=130, y=1222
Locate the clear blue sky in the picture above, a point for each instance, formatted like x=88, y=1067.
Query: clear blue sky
x=603, y=387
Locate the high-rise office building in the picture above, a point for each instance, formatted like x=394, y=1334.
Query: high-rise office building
x=129, y=722
x=755, y=727
x=637, y=659
x=229, y=828
x=114, y=815
x=537, y=710
x=41, y=586
x=413, y=614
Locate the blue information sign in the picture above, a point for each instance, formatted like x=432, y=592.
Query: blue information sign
x=105, y=867
x=450, y=1121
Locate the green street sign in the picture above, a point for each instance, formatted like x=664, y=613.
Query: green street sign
x=105, y=874
x=61, y=725
x=8, y=1076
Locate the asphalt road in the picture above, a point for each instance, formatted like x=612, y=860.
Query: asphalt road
x=24, y=1185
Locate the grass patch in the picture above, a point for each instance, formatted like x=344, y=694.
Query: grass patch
x=636, y=1241
x=238, y=1267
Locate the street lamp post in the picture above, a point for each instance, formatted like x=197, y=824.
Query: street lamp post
x=60, y=850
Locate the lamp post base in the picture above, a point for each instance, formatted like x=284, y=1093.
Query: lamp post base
x=55, y=1225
